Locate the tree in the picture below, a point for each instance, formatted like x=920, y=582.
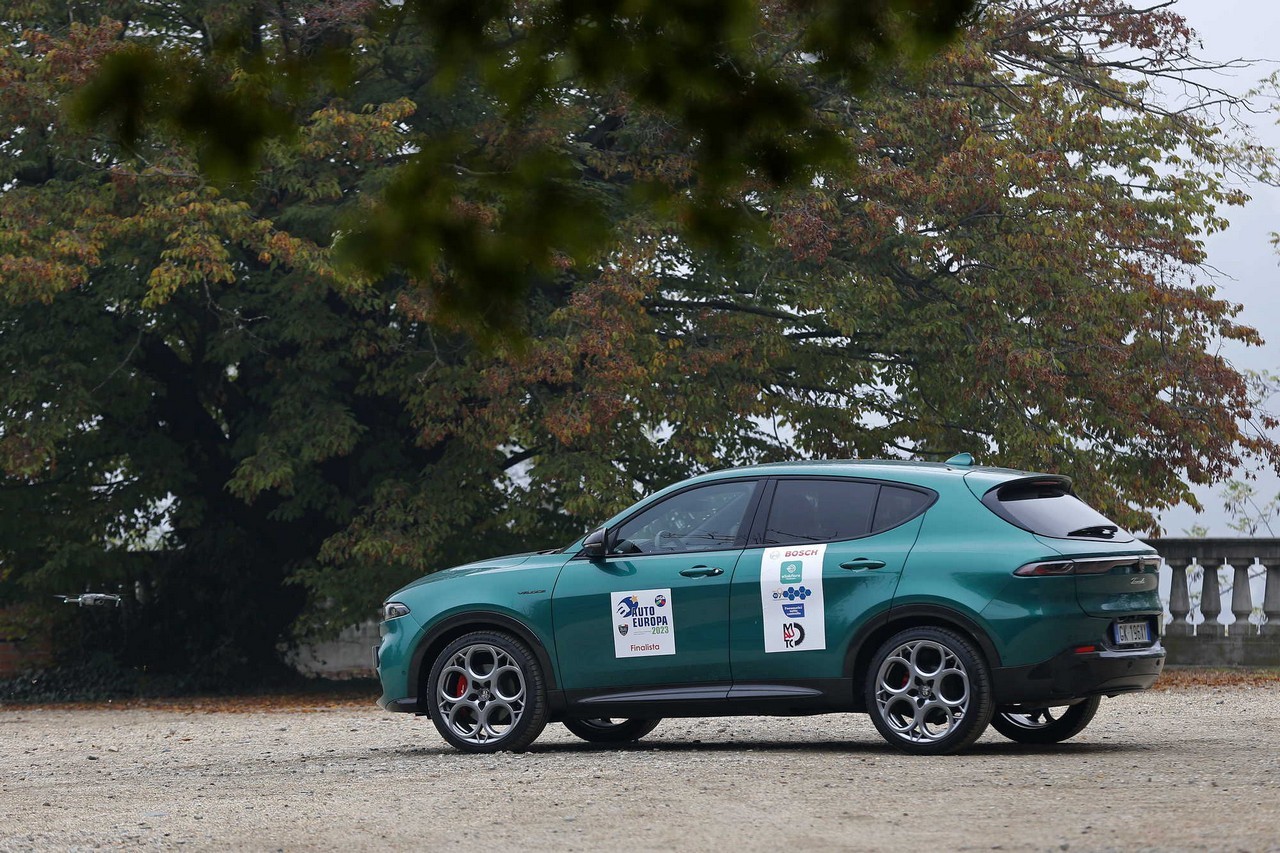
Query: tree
x=698, y=65
x=1004, y=262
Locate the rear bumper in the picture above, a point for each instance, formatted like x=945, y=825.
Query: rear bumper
x=1075, y=676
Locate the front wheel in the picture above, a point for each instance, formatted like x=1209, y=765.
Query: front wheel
x=608, y=730
x=928, y=691
x=1040, y=726
x=487, y=693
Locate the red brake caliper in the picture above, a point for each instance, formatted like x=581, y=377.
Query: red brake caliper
x=460, y=689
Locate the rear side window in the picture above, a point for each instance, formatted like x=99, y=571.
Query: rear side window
x=832, y=510
x=896, y=505
x=1048, y=508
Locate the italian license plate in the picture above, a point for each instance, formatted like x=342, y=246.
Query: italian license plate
x=1132, y=632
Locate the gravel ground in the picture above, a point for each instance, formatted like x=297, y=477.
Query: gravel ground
x=1196, y=767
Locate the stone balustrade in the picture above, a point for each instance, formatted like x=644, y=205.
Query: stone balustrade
x=1199, y=574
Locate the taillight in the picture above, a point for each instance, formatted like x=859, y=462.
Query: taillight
x=1086, y=566
x=1031, y=570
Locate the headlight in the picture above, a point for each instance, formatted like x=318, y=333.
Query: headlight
x=394, y=610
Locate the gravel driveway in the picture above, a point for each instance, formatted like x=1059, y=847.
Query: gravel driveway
x=1192, y=768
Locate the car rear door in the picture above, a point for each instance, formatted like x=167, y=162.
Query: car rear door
x=824, y=560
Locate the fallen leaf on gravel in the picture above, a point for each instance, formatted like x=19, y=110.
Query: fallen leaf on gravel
x=1184, y=677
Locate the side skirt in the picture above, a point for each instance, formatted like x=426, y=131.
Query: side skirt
x=716, y=699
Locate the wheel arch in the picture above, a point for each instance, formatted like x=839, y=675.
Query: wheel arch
x=450, y=629
x=870, y=638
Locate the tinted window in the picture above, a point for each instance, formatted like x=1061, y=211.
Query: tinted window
x=819, y=511
x=1048, y=508
x=700, y=519
x=896, y=505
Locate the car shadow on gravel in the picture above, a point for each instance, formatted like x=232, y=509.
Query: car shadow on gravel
x=811, y=746
x=1010, y=748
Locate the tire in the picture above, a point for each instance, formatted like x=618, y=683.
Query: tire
x=1039, y=726
x=608, y=730
x=486, y=693
x=928, y=691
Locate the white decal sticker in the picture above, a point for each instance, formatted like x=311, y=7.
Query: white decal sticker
x=643, y=623
x=791, y=595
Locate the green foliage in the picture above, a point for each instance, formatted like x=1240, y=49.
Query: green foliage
x=210, y=404
x=99, y=679
x=1250, y=513
x=698, y=66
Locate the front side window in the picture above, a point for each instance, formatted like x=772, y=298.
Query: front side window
x=700, y=519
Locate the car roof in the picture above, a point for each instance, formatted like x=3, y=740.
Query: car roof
x=903, y=470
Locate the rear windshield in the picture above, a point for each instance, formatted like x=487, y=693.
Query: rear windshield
x=1047, y=508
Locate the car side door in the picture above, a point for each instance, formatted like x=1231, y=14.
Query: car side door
x=655, y=609
x=824, y=560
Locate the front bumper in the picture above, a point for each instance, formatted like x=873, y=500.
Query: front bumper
x=408, y=705
x=393, y=661
x=1070, y=676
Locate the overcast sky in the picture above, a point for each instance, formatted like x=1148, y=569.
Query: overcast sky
x=1249, y=265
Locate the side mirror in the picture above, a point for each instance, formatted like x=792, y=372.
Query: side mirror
x=594, y=547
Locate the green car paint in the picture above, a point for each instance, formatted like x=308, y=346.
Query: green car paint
x=703, y=642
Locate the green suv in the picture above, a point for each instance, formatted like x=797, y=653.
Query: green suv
x=936, y=597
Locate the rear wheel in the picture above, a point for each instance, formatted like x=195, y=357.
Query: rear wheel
x=487, y=693
x=1045, y=725
x=928, y=691
x=610, y=730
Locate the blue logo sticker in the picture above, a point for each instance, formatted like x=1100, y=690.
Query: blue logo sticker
x=792, y=593
x=793, y=611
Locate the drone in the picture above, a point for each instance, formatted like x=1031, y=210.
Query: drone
x=91, y=599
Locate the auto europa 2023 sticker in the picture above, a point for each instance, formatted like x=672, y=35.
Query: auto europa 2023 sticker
x=791, y=595
x=643, y=623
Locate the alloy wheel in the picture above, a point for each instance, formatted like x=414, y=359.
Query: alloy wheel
x=481, y=693
x=922, y=691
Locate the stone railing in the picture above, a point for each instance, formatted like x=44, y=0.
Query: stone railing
x=1200, y=576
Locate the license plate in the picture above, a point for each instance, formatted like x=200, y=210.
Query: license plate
x=1132, y=632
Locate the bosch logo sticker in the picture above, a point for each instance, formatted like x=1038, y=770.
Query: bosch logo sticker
x=644, y=623
x=791, y=598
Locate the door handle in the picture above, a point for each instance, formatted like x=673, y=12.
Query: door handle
x=862, y=563
x=702, y=572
